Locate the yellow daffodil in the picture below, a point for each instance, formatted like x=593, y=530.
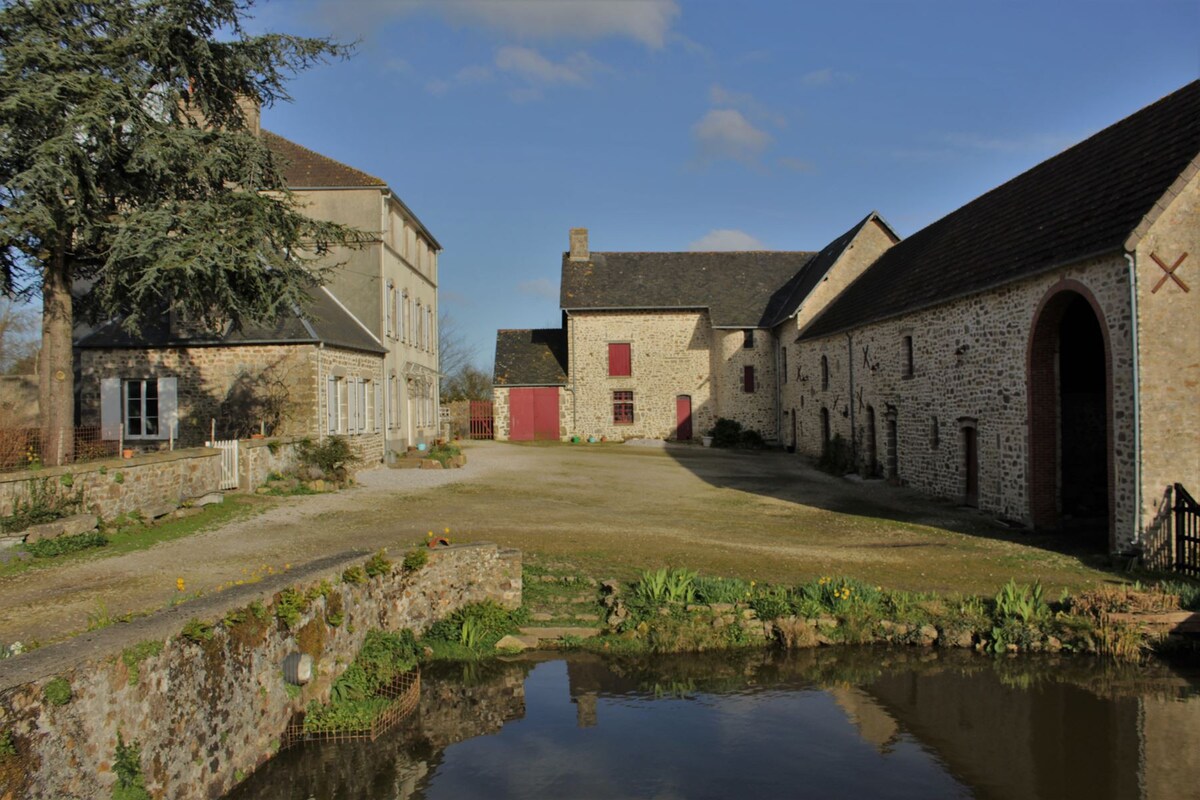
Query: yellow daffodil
x=179, y=584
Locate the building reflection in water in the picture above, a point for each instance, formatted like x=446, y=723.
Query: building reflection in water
x=1008, y=728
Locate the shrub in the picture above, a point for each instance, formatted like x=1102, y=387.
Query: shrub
x=726, y=433
x=289, y=605
x=415, y=559
x=477, y=626
x=332, y=455
x=837, y=457
x=751, y=440
x=49, y=548
x=57, y=692
x=378, y=565
x=443, y=453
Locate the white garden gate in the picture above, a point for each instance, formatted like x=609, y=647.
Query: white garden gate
x=229, y=462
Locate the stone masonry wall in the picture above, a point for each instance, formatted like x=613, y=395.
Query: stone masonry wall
x=756, y=410
x=258, y=458
x=349, y=365
x=1169, y=350
x=670, y=352
x=121, y=486
x=212, y=383
x=207, y=712
x=970, y=361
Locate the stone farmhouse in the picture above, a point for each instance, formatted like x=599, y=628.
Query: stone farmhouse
x=1035, y=353
x=360, y=361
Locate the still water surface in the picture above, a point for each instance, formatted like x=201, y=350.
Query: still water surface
x=831, y=723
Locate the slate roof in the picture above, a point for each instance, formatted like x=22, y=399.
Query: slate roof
x=324, y=321
x=1084, y=202
x=785, y=302
x=307, y=169
x=531, y=357
x=735, y=287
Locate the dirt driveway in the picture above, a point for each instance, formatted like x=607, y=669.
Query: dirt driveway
x=604, y=510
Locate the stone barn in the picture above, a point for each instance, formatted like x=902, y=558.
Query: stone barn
x=529, y=402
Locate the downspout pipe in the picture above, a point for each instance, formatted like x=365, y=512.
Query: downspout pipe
x=1137, y=400
x=850, y=363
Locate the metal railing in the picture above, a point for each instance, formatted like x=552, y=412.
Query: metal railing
x=1187, y=532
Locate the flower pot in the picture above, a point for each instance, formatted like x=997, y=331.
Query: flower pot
x=706, y=441
x=127, y=452
x=257, y=436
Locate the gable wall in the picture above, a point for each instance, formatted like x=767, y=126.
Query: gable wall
x=671, y=356
x=986, y=382
x=1169, y=351
x=867, y=246
x=755, y=411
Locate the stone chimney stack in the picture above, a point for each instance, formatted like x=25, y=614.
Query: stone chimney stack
x=579, y=245
x=253, y=111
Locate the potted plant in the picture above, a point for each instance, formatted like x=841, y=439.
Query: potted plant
x=127, y=452
x=706, y=439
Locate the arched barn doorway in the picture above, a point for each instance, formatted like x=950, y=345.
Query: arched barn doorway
x=1070, y=402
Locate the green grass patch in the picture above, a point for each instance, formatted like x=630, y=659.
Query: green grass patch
x=130, y=534
x=57, y=692
x=62, y=545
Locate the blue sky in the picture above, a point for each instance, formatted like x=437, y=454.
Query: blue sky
x=676, y=125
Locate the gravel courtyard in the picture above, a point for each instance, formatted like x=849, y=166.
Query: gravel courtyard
x=603, y=510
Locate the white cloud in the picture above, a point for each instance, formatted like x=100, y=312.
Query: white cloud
x=646, y=21
x=726, y=239
x=725, y=133
x=535, y=68
x=467, y=76
x=539, y=287
x=720, y=96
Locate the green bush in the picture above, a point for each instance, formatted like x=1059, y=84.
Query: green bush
x=837, y=457
x=443, y=453
x=49, y=548
x=354, y=575
x=751, y=440
x=378, y=565
x=726, y=433
x=356, y=697
x=332, y=455
x=477, y=626
x=57, y=692
x=415, y=559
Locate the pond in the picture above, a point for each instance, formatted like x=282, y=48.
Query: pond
x=827, y=723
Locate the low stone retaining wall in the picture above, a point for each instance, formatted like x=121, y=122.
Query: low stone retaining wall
x=207, y=710
x=260, y=457
x=122, y=485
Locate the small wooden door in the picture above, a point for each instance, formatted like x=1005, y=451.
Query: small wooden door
x=683, y=418
x=971, y=467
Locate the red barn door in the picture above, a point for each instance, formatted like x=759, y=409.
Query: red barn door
x=683, y=418
x=533, y=414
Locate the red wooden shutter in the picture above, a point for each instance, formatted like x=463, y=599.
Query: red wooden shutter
x=619, y=362
x=748, y=379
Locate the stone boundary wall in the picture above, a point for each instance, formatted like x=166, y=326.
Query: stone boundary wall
x=257, y=458
x=207, y=713
x=120, y=486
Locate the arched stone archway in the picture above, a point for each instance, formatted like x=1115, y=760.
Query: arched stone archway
x=1069, y=379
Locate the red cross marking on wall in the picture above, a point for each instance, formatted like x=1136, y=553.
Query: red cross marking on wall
x=1169, y=272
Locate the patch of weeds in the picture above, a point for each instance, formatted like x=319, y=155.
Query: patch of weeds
x=49, y=548
x=57, y=692
x=135, y=655
x=197, y=631
x=7, y=747
x=290, y=604
x=322, y=589
x=333, y=456
x=442, y=453
x=335, y=610
x=99, y=617
x=293, y=691
x=378, y=564
x=118, y=477
x=354, y=575
x=127, y=764
x=45, y=502
x=415, y=559
x=311, y=639
x=66, y=480
x=720, y=590
x=477, y=626
x=656, y=587
x=356, y=697
x=1021, y=602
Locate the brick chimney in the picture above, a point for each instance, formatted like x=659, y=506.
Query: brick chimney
x=579, y=245
x=253, y=111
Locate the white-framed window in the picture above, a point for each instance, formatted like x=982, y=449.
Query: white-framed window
x=138, y=408
x=402, y=316
x=408, y=318
x=335, y=410
x=429, y=337
x=389, y=311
